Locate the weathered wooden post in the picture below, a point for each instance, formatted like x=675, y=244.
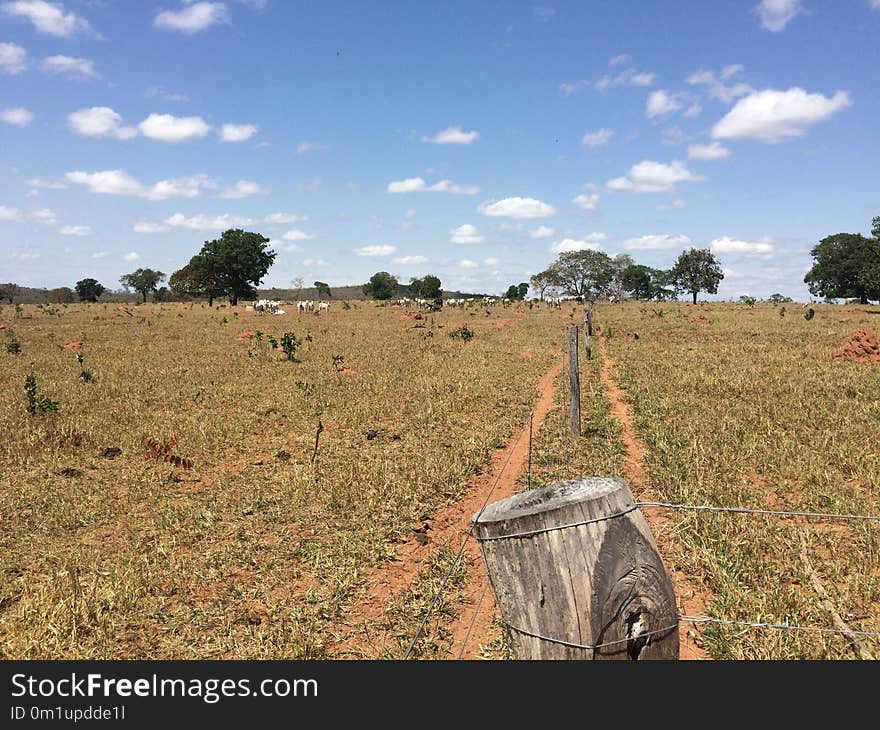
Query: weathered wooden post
x=577, y=575
x=574, y=412
x=588, y=330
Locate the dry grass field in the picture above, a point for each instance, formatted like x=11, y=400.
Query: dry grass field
x=255, y=551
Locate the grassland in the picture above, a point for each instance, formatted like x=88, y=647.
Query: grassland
x=255, y=551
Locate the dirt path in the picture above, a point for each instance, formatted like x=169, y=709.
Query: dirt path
x=691, y=601
x=360, y=637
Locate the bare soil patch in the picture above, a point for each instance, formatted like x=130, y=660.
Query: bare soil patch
x=862, y=347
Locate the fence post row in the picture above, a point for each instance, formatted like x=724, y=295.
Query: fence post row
x=577, y=575
x=575, y=382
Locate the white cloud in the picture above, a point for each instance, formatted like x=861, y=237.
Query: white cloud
x=168, y=128
x=600, y=137
x=674, y=205
x=77, y=68
x=75, y=230
x=541, y=232
x=9, y=214
x=376, y=250
x=617, y=60
x=875, y=4
x=47, y=17
x=295, y=234
x=287, y=247
x=281, y=218
x=468, y=264
x=100, y=254
x=653, y=177
x=36, y=182
x=761, y=248
x=517, y=208
x=586, y=201
x=572, y=87
x=237, y=132
x=675, y=135
x=777, y=116
x=131, y=256
x=13, y=58
x=207, y=223
x=410, y=260
x=99, y=121
x=491, y=262
x=418, y=185
x=661, y=103
x=19, y=116
x=119, y=182
x=150, y=227
x=315, y=262
x=453, y=135
x=712, y=151
x=160, y=91
x=591, y=241
x=45, y=216
x=192, y=18
x=661, y=242
x=411, y=213
x=715, y=85
x=242, y=189
x=466, y=234
x=304, y=147
x=776, y=14
x=629, y=77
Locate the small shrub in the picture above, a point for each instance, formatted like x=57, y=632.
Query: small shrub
x=36, y=403
x=12, y=345
x=463, y=333
x=782, y=311
x=809, y=314
x=290, y=343
x=304, y=387
x=346, y=305
x=85, y=374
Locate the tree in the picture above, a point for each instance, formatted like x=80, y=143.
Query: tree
x=10, y=291
x=61, y=295
x=875, y=226
x=540, y=282
x=583, y=274
x=323, y=290
x=517, y=292
x=381, y=285
x=237, y=262
x=620, y=264
x=843, y=266
x=89, y=290
x=199, y=278
x=778, y=299
x=142, y=280
x=696, y=270
x=297, y=283
x=427, y=287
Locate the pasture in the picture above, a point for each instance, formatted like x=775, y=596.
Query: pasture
x=175, y=505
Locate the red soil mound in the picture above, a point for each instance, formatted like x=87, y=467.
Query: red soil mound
x=244, y=335
x=701, y=320
x=73, y=346
x=863, y=347
x=527, y=355
x=412, y=315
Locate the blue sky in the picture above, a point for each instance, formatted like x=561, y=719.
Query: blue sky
x=469, y=140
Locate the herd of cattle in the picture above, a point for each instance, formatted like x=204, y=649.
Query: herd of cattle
x=273, y=306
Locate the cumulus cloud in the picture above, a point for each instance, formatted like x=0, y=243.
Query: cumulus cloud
x=541, y=232
x=304, y=147
x=649, y=176
x=99, y=121
x=168, y=128
x=295, y=234
x=206, y=222
x=468, y=264
x=282, y=218
x=315, y=262
x=237, y=132
x=776, y=14
x=453, y=135
x=617, y=60
x=286, y=247
x=242, y=189
x=572, y=87
x=75, y=230
x=600, y=137
x=418, y=185
x=629, y=77
x=76, y=68
x=45, y=216
x=661, y=103
x=586, y=201
x=410, y=260
x=19, y=116
x=376, y=250
x=131, y=256
x=778, y=116
x=517, y=208
x=9, y=214
x=150, y=227
x=46, y=17
x=13, y=58
x=192, y=17
x=762, y=248
x=712, y=151
x=119, y=182
x=661, y=242
x=716, y=86
x=674, y=205
x=466, y=234
x=591, y=241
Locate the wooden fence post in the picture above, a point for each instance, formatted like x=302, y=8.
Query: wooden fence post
x=576, y=573
x=588, y=330
x=574, y=412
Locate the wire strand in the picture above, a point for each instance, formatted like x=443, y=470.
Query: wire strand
x=749, y=510
x=473, y=621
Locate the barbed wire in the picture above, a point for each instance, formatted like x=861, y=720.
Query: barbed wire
x=473, y=620
x=756, y=511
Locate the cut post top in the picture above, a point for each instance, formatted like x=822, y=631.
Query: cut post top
x=552, y=497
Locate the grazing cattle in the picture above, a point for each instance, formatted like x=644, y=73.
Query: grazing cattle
x=305, y=305
x=270, y=306
x=324, y=306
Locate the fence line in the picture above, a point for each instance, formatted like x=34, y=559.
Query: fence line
x=753, y=511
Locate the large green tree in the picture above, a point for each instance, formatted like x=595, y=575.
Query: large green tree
x=323, y=290
x=541, y=282
x=89, y=290
x=381, y=285
x=846, y=265
x=201, y=277
x=644, y=282
x=428, y=287
x=143, y=281
x=237, y=262
x=696, y=270
x=61, y=295
x=584, y=274
x=620, y=264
